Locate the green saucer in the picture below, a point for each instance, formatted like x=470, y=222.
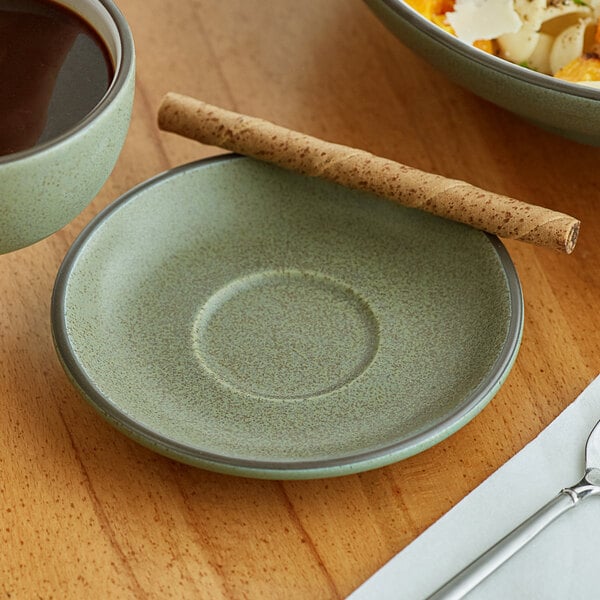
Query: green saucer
x=248, y=320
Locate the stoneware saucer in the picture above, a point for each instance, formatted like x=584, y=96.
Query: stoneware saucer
x=244, y=319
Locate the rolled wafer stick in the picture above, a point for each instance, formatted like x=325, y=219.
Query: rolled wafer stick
x=357, y=169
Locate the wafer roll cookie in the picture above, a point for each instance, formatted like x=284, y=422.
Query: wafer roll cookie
x=357, y=169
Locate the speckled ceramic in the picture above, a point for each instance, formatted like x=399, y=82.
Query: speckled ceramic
x=43, y=188
x=253, y=321
x=568, y=109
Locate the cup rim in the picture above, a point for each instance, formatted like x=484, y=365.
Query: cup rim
x=122, y=71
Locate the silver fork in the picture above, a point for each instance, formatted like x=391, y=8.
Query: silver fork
x=472, y=575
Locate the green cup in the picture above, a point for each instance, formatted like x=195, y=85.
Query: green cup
x=45, y=187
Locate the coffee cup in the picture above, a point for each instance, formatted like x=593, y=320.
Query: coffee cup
x=46, y=185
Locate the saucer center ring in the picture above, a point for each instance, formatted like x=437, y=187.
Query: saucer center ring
x=285, y=334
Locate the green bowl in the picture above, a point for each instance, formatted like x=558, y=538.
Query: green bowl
x=45, y=187
x=565, y=108
x=252, y=321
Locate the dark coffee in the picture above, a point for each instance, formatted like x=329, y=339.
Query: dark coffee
x=54, y=69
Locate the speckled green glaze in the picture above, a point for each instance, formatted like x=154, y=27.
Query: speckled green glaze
x=568, y=109
x=252, y=321
x=43, y=189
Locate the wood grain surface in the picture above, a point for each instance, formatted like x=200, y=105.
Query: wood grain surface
x=87, y=513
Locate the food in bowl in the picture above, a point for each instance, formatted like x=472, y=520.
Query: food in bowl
x=556, y=37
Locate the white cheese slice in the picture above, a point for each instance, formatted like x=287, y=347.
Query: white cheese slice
x=483, y=19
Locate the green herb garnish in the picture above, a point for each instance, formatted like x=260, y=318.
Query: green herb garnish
x=526, y=65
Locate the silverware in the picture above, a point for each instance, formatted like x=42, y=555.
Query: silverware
x=472, y=575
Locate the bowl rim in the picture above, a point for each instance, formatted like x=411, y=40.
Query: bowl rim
x=529, y=76
x=122, y=73
x=270, y=469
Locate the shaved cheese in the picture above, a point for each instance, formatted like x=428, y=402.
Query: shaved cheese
x=483, y=19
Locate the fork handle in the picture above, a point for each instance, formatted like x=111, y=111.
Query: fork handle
x=462, y=583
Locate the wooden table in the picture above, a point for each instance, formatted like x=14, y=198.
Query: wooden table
x=87, y=513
